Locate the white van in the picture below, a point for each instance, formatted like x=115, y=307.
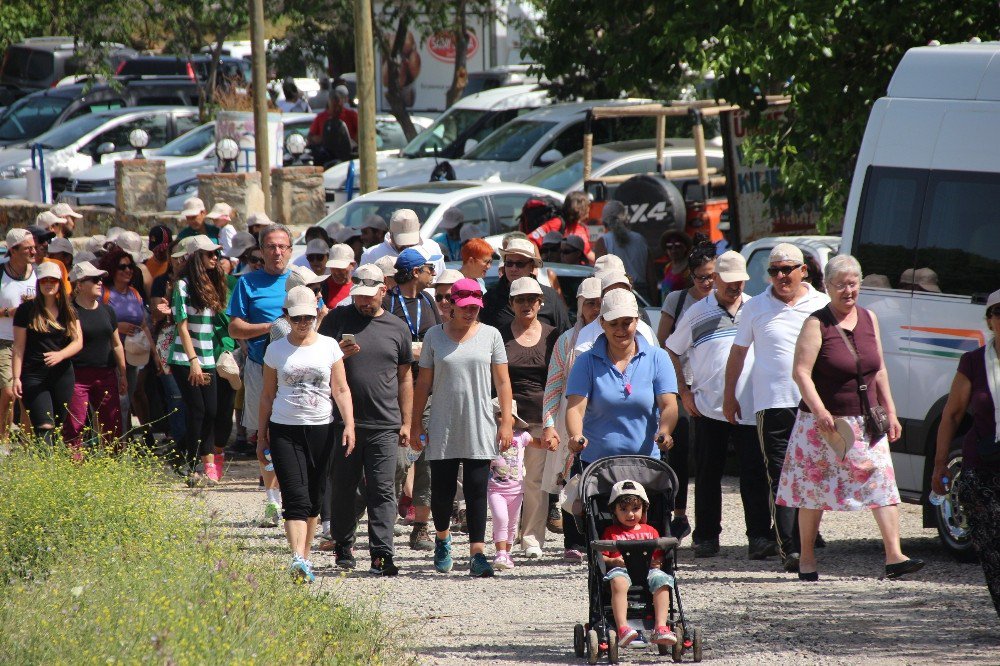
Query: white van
x=925, y=201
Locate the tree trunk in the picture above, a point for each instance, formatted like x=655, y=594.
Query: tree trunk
x=393, y=91
x=461, y=76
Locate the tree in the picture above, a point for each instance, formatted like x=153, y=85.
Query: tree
x=320, y=33
x=396, y=44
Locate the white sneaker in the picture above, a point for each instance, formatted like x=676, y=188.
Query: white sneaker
x=533, y=552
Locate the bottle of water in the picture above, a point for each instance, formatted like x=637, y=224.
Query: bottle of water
x=412, y=454
x=938, y=500
x=269, y=467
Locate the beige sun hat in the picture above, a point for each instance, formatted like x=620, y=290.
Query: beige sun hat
x=48, y=269
x=341, y=256
x=589, y=288
x=367, y=280
x=525, y=285
x=450, y=276
x=732, y=267
x=619, y=303
x=85, y=269
x=786, y=252
x=300, y=301
x=63, y=209
x=301, y=275
x=192, y=206
x=61, y=245
x=219, y=211
x=521, y=247
x=608, y=262
x=404, y=226
x=47, y=219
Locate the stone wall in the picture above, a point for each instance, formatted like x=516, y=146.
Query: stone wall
x=140, y=186
x=242, y=191
x=297, y=195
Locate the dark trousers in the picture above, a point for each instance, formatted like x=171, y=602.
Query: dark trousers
x=225, y=397
x=374, y=455
x=979, y=492
x=299, y=454
x=573, y=537
x=174, y=405
x=774, y=427
x=677, y=458
x=199, y=435
x=47, y=396
x=444, y=484
x=712, y=438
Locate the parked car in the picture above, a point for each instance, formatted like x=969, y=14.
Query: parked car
x=39, y=112
x=493, y=206
x=501, y=77
x=82, y=142
x=623, y=158
x=465, y=123
x=194, y=67
x=39, y=62
x=758, y=252
x=529, y=143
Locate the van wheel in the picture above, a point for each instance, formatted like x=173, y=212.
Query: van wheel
x=952, y=524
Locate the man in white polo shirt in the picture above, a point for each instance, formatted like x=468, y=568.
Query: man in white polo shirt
x=404, y=232
x=771, y=322
x=706, y=333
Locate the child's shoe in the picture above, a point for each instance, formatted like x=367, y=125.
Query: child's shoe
x=626, y=635
x=503, y=561
x=663, y=636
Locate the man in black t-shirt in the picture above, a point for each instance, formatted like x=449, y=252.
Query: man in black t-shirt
x=377, y=357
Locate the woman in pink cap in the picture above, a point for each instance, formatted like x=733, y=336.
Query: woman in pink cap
x=458, y=361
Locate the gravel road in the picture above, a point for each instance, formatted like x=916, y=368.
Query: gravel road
x=750, y=612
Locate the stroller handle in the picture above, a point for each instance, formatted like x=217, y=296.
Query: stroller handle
x=663, y=543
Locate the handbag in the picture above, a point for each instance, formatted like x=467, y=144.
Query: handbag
x=876, y=418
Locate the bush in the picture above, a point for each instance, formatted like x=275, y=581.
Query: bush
x=103, y=565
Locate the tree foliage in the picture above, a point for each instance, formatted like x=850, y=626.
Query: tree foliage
x=833, y=57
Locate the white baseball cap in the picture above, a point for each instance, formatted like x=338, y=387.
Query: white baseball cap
x=300, y=300
x=405, y=227
x=786, y=252
x=589, y=288
x=242, y=241
x=341, y=256
x=731, y=267
x=992, y=299
x=17, y=236
x=300, y=275
x=132, y=244
x=366, y=280
x=451, y=219
x=525, y=285
x=63, y=209
x=450, y=276
x=201, y=242
x=387, y=265
x=317, y=246
x=619, y=303
x=47, y=219
x=192, y=206
x=608, y=262
x=258, y=218
x=58, y=245
x=613, y=277
x=85, y=269
x=628, y=487
x=219, y=211
x=48, y=269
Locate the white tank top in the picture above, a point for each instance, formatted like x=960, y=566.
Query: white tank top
x=13, y=292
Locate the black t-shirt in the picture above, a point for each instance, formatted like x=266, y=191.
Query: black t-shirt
x=372, y=373
x=159, y=287
x=429, y=317
x=497, y=311
x=37, y=344
x=528, y=368
x=98, y=326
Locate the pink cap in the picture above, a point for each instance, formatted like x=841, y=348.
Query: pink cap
x=466, y=292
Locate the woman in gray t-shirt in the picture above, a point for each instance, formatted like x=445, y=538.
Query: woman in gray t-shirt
x=458, y=361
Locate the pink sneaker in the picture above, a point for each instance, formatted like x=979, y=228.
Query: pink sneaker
x=212, y=472
x=411, y=515
x=220, y=465
x=626, y=635
x=663, y=636
x=503, y=561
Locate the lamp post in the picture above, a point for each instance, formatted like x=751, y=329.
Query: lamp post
x=139, y=139
x=295, y=144
x=227, y=150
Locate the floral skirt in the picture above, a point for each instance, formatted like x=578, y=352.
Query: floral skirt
x=814, y=477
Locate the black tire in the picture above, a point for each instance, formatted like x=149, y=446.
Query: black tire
x=579, y=638
x=677, y=649
x=612, y=646
x=593, y=647
x=696, y=644
x=960, y=545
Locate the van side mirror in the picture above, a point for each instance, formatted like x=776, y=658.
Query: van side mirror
x=470, y=144
x=105, y=148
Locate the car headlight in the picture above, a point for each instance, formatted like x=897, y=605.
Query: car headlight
x=185, y=187
x=12, y=171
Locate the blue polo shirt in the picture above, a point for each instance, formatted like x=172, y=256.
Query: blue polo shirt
x=259, y=298
x=618, y=421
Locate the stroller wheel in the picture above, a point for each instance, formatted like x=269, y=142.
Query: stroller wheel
x=593, y=647
x=696, y=644
x=678, y=647
x=612, y=646
x=579, y=640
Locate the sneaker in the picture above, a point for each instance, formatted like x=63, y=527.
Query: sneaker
x=420, y=537
x=301, y=570
x=554, y=523
x=709, y=548
x=382, y=566
x=680, y=527
x=272, y=515
x=626, y=635
x=411, y=515
x=533, y=552
x=663, y=636
x=572, y=556
x=761, y=548
x=442, y=554
x=503, y=561
x=220, y=465
x=403, y=505
x=344, y=557
x=479, y=567
x=211, y=473
x=791, y=562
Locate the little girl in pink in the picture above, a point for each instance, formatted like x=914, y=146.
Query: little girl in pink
x=505, y=489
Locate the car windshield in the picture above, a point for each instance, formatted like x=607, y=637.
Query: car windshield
x=353, y=213
x=443, y=132
x=510, y=142
x=29, y=117
x=71, y=131
x=564, y=174
x=189, y=144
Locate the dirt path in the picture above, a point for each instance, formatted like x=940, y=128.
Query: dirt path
x=750, y=612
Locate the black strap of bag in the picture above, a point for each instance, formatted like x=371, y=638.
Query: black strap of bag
x=876, y=419
x=677, y=310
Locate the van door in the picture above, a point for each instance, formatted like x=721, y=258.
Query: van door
x=885, y=242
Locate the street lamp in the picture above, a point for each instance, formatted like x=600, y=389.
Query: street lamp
x=295, y=144
x=227, y=151
x=139, y=139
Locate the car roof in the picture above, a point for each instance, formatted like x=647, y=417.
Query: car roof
x=444, y=191
x=507, y=97
x=139, y=110
x=559, y=112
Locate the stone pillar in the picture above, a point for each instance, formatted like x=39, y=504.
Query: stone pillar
x=297, y=195
x=240, y=190
x=140, y=186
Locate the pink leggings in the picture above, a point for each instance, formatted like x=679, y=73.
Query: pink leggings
x=505, y=505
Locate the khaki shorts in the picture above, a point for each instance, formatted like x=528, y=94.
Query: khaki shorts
x=6, y=364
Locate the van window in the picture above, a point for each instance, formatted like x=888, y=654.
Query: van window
x=959, y=232
x=888, y=221
x=28, y=64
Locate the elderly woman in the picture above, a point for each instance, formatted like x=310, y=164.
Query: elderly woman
x=833, y=463
x=621, y=394
x=588, y=300
x=975, y=388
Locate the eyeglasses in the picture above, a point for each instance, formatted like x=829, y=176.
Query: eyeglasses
x=315, y=257
x=465, y=293
x=211, y=253
x=784, y=270
x=516, y=264
x=846, y=286
x=430, y=269
x=527, y=298
x=302, y=319
x=441, y=298
x=702, y=278
x=366, y=282
x=125, y=267
x=279, y=248
x=673, y=246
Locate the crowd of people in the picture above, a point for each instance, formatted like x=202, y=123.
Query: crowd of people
x=367, y=378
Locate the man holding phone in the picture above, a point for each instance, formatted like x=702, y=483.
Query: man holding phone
x=377, y=357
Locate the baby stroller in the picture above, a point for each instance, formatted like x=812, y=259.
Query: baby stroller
x=600, y=636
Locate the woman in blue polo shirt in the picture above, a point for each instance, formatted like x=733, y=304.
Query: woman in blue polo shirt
x=621, y=394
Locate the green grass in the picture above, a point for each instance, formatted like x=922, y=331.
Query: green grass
x=99, y=563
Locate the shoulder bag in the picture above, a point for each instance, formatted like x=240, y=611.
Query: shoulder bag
x=876, y=418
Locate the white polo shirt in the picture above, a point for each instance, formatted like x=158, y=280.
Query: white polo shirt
x=589, y=334
x=706, y=333
x=772, y=327
x=385, y=249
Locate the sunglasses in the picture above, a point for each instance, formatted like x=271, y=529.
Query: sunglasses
x=442, y=298
x=366, y=282
x=302, y=319
x=254, y=259
x=784, y=270
x=516, y=264
x=125, y=267
x=528, y=298
x=465, y=293
x=84, y=280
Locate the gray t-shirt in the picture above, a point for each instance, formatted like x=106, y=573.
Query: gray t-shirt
x=669, y=308
x=462, y=424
